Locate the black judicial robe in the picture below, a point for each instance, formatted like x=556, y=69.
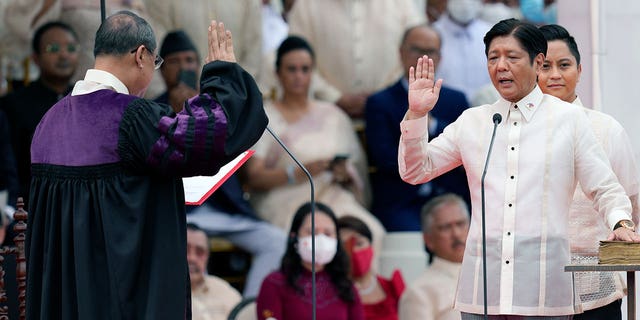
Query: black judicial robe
x=106, y=236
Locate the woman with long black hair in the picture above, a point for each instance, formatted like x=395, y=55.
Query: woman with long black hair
x=286, y=294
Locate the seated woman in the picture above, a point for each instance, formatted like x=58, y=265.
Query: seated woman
x=321, y=135
x=287, y=294
x=379, y=296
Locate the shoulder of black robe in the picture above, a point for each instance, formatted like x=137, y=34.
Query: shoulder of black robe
x=213, y=128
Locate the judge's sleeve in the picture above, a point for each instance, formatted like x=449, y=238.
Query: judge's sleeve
x=214, y=127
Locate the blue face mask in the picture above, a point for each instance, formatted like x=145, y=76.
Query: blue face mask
x=535, y=12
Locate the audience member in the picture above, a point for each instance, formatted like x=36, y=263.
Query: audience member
x=379, y=296
x=287, y=294
x=274, y=27
x=435, y=9
x=8, y=174
x=212, y=298
x=356, y=45
x=179, y=69
x=495, y=10
x=243, y=18
x=559, y=76
x=84, y=17
x=396, y=203
x=55, y=51
x=18, y=21
x=543, y=147
x=539, y=12
x=226, y=213
x=463, y=65
x=274, y=30
x=286, y=8
x=445, y=224
x=321, y=136
x=109, y=186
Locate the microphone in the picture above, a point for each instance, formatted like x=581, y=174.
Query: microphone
x=312, y=200
x=497, y=118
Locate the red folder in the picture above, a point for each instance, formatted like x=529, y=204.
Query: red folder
x=197, y=189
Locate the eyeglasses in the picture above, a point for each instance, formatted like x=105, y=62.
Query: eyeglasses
x=55, y=48
x=157, y=62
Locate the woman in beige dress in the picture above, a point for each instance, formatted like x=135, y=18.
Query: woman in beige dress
x=322, y=138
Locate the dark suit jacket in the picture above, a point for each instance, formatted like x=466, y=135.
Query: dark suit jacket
x=24, y=109
x=396, y=203
x=8, y=171
x=229, y=199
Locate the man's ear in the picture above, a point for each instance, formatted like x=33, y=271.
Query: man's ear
x=139, y=55
x=579, y=72
x=538, y=61
x=428, y=243
x=36, y=59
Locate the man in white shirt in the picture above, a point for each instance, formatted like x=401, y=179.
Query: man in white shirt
x=462, y=63
x=543, y=148
x=212, y=298
x=445, y=225
x=355, y=44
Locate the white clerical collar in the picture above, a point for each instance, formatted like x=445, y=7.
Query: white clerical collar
x=95, y=80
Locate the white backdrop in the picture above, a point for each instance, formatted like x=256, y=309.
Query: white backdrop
x=608, y=36
x=607, y=32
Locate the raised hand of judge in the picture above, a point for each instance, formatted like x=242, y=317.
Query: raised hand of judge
x=220, y=44
x=423, y=89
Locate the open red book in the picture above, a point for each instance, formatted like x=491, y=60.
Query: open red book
x=197, y=189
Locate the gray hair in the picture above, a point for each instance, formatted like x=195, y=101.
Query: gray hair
x=431, y=207
x=122, y=32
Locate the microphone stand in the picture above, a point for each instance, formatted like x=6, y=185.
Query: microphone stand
x=313, y=223
x=103, y=10
x=497, y=118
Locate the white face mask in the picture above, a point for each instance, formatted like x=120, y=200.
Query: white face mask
x=464, y=11
x=326, y=248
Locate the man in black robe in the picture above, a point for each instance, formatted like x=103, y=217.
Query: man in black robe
x=107, y=236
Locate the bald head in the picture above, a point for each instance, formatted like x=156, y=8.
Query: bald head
x=125, y=46
x=418, y=41
x=122, y=32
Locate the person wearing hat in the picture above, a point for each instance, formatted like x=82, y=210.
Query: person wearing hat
x=179, y=70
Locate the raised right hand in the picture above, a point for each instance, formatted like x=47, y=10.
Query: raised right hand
x=423, y=89
x=220, y=44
